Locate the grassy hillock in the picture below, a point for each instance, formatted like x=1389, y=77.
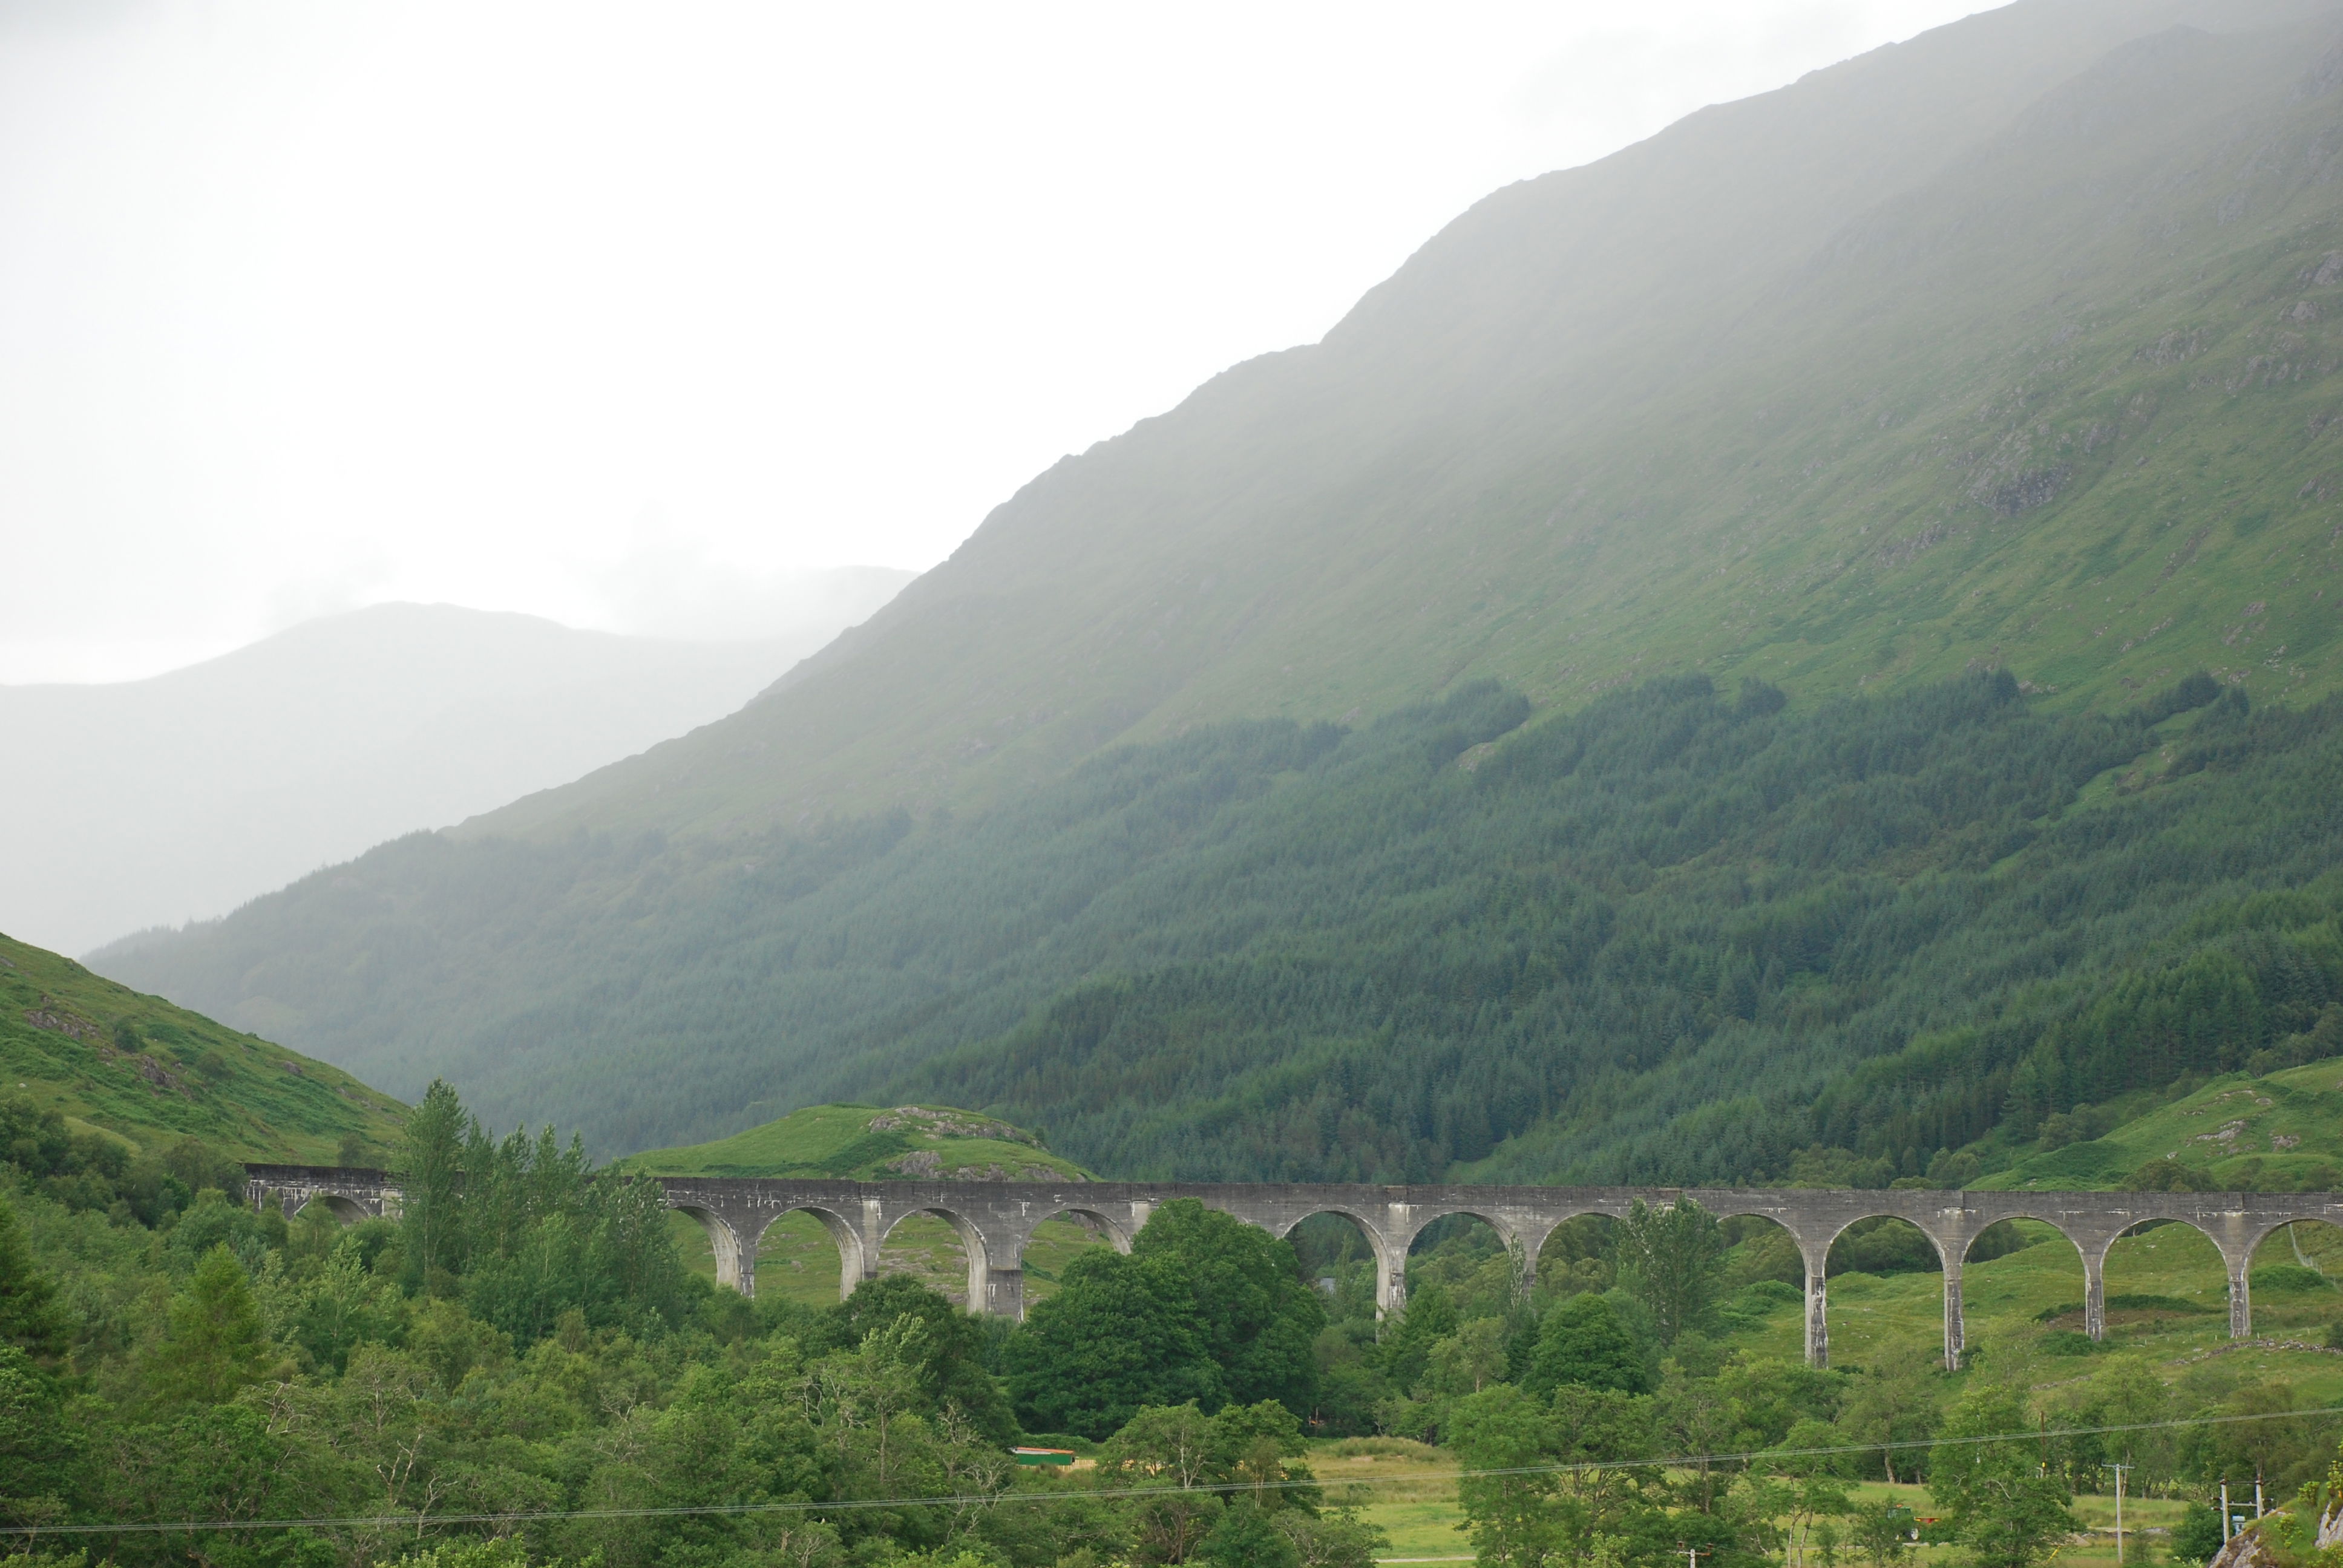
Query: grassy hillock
x=870, y=1143
x=2280, y=1132
x=110, y=1060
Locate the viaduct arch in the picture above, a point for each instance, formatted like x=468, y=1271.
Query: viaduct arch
x=995, y=1220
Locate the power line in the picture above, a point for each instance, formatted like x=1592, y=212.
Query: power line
x=420, y=1521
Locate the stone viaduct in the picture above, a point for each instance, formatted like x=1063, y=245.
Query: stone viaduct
x=995, y=1220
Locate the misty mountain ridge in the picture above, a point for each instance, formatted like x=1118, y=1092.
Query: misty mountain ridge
x=1951, y=428
x=1846, y=383
x=185, y=794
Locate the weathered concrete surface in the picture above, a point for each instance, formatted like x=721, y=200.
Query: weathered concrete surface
x=996, y=1219
x=351, y=1192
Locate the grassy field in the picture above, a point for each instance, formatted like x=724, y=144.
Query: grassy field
x=134, y=1066
x=2022, y=1311
x=1407, y=1488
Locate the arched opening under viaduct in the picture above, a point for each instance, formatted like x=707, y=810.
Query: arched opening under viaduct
x=940, y=1249
x=1350, y=1262
x=1882, y=1293
x=1461, y=1260
x=1760, y=1285
x=1578, y=1256
x=2164, y=1274
x=344, y=1211
x=2014, y=1273
x=799, y=1258
x=1339, y=1261
x=2292, y=1283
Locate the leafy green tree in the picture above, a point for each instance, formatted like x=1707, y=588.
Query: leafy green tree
x=1810, y=1489
x=525, y=1230
x=1893, y=1404
x=1469, y=1360
x=949, y=1359
x=1583, y=1342
x=1573, y=1482
x=1187, y=1467
x=217, y=1462
x=1171, y=1454
x=1259, y=1318
x=343, y=1304
x=2198, y=1535
x=1336, y=1538
x=1246, y=1536
x=1121, y=1334
x=38, y=1446
x=2288, y=1453
x=30, y=1317
x=1670, y=1260
x=2006, y=1509
x=1257, y=1445
x=216, y=1341
x=1515, y=1516
x=1406, y=1352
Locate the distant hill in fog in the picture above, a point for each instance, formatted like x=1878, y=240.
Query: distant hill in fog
x=148, y=802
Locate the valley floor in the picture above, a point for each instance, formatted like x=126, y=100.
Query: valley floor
x=2024, y=1309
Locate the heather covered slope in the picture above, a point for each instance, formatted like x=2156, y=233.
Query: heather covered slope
x=2005, y=344
x=105, y=1057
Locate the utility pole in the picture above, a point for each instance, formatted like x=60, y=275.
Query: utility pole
x=2258, y=1491
x=2225, y=1507
x=2120, y=1470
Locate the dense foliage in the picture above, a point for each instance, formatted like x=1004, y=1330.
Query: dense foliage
x=520, y=1368
x=1205, y=1307
x=1679, y=935
x=524, y=1341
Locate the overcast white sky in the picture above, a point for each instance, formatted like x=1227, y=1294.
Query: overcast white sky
x=607, y=313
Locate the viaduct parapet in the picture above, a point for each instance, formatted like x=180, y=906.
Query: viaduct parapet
x=995, y=1220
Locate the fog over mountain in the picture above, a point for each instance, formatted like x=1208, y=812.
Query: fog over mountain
x=1789, y=615
x=150, y=802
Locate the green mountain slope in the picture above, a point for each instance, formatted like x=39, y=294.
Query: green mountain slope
x=1987, y=374
x=137, y=1067
x=1676, y=935
x=869, y=1144
x=2009, y=344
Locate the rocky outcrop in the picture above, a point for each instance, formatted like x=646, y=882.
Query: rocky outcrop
x=950, y=1124
x=926, y=1163
x=2244, y=1550
x=47, y=1017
